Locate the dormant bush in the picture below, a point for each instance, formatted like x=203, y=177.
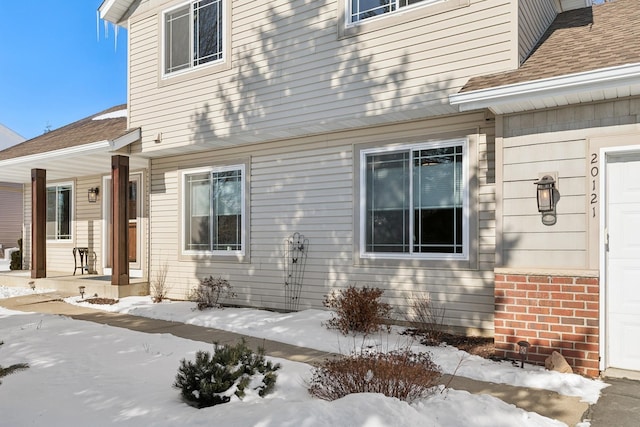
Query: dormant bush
x=401, y=374
x=357, y=310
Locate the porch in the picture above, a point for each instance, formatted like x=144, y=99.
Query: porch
x=68, y=284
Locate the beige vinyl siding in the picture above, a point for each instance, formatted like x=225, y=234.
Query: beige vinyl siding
x=88, y=221
x=10, y=214
x=26, y=220
x=526, y=241
x=291, y=75
x=534, y=17
x=60, y=253
x=486, y=197
x=306, y=185
x=556, y=140
x=87, y=229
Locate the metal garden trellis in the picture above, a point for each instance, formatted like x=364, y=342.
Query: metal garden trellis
x=295, y=260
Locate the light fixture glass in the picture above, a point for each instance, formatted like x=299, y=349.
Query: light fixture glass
x=546, y=186
x=93, y=194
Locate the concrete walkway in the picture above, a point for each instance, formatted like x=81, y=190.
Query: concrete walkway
x=619, y=404
x=547, y=403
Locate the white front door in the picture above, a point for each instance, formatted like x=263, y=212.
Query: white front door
x=623, y=261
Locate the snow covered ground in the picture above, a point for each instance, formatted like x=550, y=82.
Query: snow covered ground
x=83, y=373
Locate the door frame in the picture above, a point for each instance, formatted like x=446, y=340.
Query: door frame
x=136, y=269
x=605, y=154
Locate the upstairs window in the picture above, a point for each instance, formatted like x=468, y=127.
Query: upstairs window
x=193, y=35
x=59, y=212
x=365, y=9
x=415, y=202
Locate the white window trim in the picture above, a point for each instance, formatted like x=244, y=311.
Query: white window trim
x=243, y=232
x=398, y=17
x=164, y=75
x=464, y=256
x=71, y=212
x=399, y=10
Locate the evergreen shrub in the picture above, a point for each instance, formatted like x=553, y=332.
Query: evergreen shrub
x=16, y=258
x=11, y=369
x=213, y=379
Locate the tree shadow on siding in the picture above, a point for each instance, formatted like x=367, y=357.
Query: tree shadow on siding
x=290, y=70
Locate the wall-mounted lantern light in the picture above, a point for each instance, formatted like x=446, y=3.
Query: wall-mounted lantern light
x=546, y=197
x=93, y=194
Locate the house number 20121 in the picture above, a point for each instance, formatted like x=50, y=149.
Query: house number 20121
x=593, y=172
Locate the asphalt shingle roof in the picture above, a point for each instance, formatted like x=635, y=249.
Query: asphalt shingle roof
x=82, y=132
x=578, y=40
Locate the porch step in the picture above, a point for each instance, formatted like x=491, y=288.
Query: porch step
x=69, y=285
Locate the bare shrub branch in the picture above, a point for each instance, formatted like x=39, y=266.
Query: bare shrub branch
x=401, y=374
x=427, y=318
x=159, y=287
x=357, y=310
x=209, y=292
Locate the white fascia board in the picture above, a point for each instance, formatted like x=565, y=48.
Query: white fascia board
x=126, y=139
x=94, y=147
x=106, y=10
x=105, y=7
x=104, y=146
x=111, y=10
x=570, y=83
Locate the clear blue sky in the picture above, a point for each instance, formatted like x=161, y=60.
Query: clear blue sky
x=53, y=68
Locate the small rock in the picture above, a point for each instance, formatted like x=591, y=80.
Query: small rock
x=557, y=362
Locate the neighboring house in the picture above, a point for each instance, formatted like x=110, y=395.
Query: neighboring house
x=8, y=137
x=10, y=199
x=400, y=141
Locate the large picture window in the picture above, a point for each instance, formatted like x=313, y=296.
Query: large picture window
x=214, y=210
x=59, y=212
x=364, y=9
x=414, y=201
x=193, y=35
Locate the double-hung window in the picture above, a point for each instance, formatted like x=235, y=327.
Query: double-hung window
x=414, y=201
x=364, y=9
x=59, y=212
x=214, y=220
x=193, y=35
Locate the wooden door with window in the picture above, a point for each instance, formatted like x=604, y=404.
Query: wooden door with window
x=133, y=220
x=134, y=207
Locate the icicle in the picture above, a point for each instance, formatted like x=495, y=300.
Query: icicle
x=98, y=25
x=106, y=29
x=115, y=31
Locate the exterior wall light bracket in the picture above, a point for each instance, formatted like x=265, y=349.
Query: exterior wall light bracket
x=93, y=194
x=547, y=196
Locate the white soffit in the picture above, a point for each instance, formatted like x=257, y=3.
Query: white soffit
x=114, y=10
x=601, y=84
x=83, y=160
